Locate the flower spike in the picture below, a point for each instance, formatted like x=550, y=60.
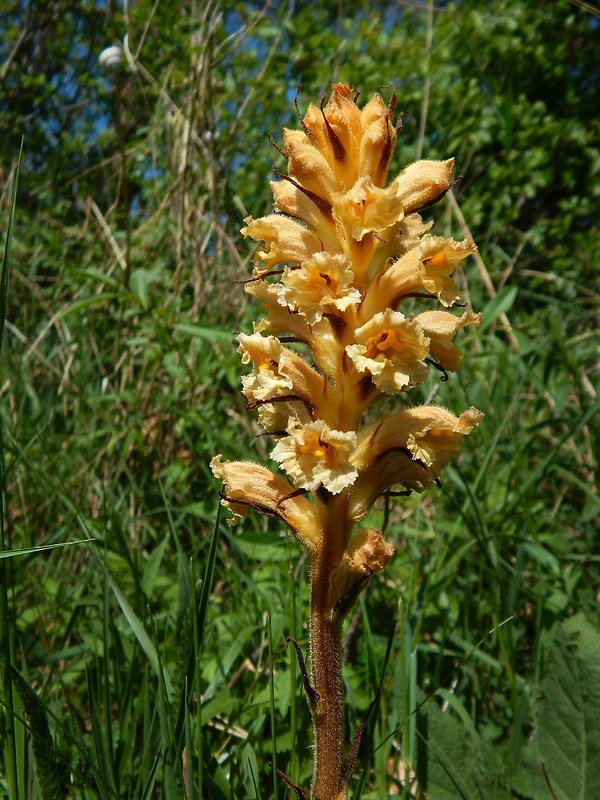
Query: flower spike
x=335, y=264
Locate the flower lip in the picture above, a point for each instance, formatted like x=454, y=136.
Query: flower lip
x=315, y=455
x=392, y=350
x=322, y=284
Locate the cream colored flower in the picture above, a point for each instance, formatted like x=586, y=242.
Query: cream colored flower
x=268, y=378
x=249, y=485
x=440, y=327
x=279, y=319
x=426, y=266
x=410, y=449
x=439, y=258
x=314, y=455
x=291, y=200
x=392, y=350
x=423, y=183
x=322, y=284
x=366, y=554
x=285, y=241
x=438, y=439
x=366, y=208
x=339, y=144
x=280, y=374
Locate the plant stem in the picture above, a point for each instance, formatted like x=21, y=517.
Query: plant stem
x=325, y=658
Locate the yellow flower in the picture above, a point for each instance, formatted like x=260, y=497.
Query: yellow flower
x=423, y=183
x=323, y=284
x=427, y=265
x=440, y=327
x=314, y=455
x=366, y=554
x=344, y=251
x=268, y=379
x=333, y=267
x=439, y=258
x=249, y=485
x=366, y=208
x=410, y=449
x=285, y=241
x=391, y=349
x=339, y=144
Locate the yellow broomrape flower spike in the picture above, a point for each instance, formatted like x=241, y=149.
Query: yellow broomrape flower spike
x=340, y=268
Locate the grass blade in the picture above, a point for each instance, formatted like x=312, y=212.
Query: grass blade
x=6, y=631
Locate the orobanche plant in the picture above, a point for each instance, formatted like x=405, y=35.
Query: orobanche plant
x=340, y=257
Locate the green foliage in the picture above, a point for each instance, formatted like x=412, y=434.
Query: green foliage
x=566, y=742
x=145, y=651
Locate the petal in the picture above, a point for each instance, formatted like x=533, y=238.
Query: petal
x=280, y=319
x=248, y=484
x=440, y=257
x=314, y=455
x=308, y=166
x=366, y=554
x=289, y=199
x=286, y=241
x=368, y=209
x=322, y=284
x=378, y=140
x=279, y=373
x=391, y=349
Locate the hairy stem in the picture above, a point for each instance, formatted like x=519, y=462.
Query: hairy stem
x=325, y=660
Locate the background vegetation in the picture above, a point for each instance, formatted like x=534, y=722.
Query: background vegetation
x=140, y=663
